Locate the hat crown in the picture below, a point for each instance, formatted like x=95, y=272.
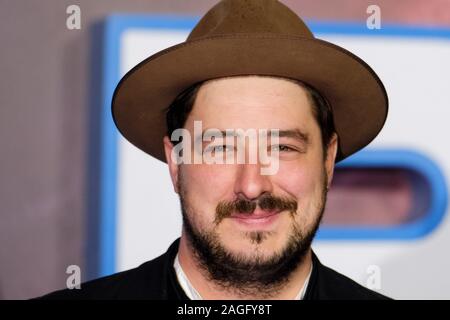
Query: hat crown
x=251, y=17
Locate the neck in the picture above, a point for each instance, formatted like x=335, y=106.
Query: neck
x=209, y=290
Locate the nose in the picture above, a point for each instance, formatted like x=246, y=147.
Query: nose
x=250, y=183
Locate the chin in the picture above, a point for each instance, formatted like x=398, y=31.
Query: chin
x=261, y=244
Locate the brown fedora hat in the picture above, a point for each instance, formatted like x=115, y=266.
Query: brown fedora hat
x=251, y=37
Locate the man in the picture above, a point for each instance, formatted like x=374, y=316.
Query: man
x=247, y=65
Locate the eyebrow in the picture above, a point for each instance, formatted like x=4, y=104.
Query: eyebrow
x=297, y=134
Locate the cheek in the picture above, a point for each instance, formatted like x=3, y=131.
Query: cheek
x=305, y=184
x=298, y=180
x=209, y=179
x=205, y=186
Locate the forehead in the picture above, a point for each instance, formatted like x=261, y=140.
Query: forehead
x=253, y=102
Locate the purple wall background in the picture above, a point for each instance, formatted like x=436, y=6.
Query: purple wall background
x=46, y=92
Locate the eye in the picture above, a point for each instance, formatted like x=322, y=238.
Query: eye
x=282, y=148
x=219, y=148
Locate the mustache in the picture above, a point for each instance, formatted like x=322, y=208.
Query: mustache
x=266, y=202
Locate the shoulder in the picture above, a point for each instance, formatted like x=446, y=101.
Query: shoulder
x=332, y=285
x=143, y=282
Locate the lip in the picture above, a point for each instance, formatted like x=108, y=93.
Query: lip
x=256, y=219
x=257, y=214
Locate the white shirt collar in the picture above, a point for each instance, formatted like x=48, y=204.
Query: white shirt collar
x=193, y=294
x=188, y=288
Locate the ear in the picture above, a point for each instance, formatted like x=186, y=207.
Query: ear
x=171, y=162
x=331, y=157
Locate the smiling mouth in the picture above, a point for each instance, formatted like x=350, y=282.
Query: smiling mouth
x=258, y=219
x=255, y=215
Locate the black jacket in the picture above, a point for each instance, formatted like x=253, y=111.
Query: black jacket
x=156, y=280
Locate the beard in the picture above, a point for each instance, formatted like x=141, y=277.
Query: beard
x=258, y=276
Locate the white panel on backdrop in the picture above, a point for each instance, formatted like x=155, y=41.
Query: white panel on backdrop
x=148, y=217
x=416, y=73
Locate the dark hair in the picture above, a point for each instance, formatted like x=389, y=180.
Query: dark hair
x=179, y=110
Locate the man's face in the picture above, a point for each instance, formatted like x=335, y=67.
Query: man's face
x=219, y=200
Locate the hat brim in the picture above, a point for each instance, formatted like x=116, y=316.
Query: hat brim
x=354, y=91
